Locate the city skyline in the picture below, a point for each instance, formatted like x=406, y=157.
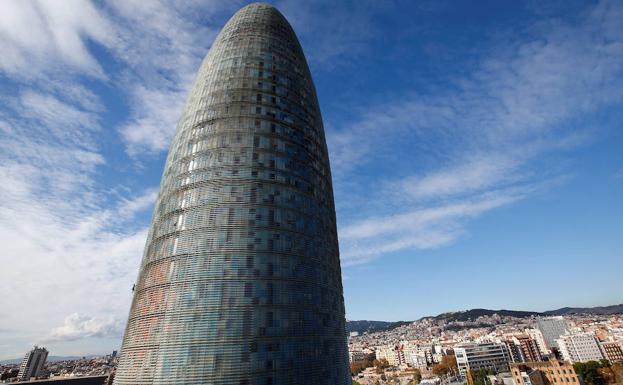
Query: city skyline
x=474, y=150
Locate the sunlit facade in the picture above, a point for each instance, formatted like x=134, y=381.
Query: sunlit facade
x=240, y=282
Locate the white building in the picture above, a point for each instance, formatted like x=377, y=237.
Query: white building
x=487, y=355
x=356, y=355
x=536, y=335
x=32, y=363
x=393, y=354
x=580, y=347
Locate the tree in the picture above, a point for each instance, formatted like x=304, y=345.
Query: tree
x=450, y=363
x=480, y=376
x=417, y=377
x=440, y=370
x=356, y=368
x=381, y=365
x=617, y=369
x=355, y=383
x=446, y=366
x=589, y=372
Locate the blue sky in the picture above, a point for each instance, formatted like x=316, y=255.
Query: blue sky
x=475, y=148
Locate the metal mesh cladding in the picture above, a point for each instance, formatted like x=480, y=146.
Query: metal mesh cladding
x=240, y=282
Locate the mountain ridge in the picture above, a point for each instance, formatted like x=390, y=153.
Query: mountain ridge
x=363, y=326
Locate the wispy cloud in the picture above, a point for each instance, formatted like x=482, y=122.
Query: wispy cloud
x=522, y=102
x=163, y=44
x=57, y=228
x=61, y=228
x=39, y=37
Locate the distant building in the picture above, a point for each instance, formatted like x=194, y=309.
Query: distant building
x=514, y=351
x=529, y=348
x=551, y=372
x=394, y=355
x=32, y=363
x=8, y=374
x=537, y=336
x=356, y=356
x=552, y=328
x=580, y=347
x=87, y=380
x=612, y=351
x=487, y=355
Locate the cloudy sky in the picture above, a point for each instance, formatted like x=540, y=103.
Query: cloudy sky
x=476, y=150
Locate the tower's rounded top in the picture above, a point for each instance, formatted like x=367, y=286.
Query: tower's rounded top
x=259, y=16
x=259, y=7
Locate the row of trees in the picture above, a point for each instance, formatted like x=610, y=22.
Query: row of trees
x=380, y=365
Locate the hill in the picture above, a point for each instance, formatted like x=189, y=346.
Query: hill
x=364, y=326
x=472, y=314
x=601, y=310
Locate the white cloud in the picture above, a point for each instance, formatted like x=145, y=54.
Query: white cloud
x=163, y=44
x=419, y=228
x=78, y=326
x=38, y=37
x=154, y=120
x=471, y=175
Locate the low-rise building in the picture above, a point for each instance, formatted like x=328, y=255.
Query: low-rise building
x=612, y=351
x=486, y=355
x=551, y=372
x=356, y=356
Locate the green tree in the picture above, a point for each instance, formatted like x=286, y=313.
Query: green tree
x=589, y=372
x=480, y=376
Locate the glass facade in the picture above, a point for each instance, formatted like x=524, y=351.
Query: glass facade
x=240, y=283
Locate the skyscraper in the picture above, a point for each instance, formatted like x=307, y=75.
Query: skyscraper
x=240, y=281
x=32, y=363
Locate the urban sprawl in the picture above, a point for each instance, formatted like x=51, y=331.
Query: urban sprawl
x=492, y=350
x=488, y=349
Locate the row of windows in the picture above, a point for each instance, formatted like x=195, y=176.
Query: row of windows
x=240, y=283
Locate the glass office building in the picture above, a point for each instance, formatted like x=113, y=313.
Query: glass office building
x=240, y=282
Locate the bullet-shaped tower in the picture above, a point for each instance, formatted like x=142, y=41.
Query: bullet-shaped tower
x=240, y=282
